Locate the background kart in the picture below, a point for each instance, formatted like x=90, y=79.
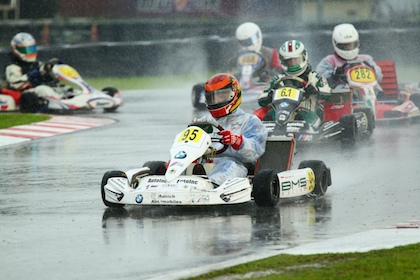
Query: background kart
x=340, y=120
x=183, y=180
x=75, y=94
x=390, y=105
x=249, y=67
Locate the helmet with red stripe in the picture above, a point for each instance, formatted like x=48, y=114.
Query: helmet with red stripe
x=293, y=57
x=223, y=94
x=24, y=47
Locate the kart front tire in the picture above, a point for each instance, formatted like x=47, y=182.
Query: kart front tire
x=349, y=133
x=266, y=188
x=156, y=167
x=107, y=175
x=322, y=176
x=370, y=117
x=29, y=103
x=111, y=91
x=195, y=96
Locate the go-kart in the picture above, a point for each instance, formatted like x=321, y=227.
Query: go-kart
x=340, y=120
x=74, y=92
x=362, y=83
x=249, y=67
x=183, y=180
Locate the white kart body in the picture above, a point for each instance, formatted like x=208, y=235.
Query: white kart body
x=180, y=187
x=83, y=96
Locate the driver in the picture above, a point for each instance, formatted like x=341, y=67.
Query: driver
x=294, y=60
x=25, y=73
x=345, y=39
x=249, y=37
x=244, y=133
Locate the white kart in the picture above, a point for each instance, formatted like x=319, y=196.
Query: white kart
x=178, y=183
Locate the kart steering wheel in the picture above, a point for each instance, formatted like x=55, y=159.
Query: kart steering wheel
x=208, y=126
x=298, y=79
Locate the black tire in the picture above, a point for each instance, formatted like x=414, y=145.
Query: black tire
x=156, y=167
x=195, y=96
x=111, y=91
x=349, y=133
x=30, y=103
x=370, y=117
x=107, y=175
x=415, y=98
x=322, y=176
x=266, y=188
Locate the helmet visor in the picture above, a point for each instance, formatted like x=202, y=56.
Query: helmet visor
x=26, y=50
x=348, y=46
x=293, y=61
x=249, y=41
x=219, y=96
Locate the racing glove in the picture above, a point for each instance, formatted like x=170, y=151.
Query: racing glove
x=274, y=81
x=229, y=138
x=34, y=76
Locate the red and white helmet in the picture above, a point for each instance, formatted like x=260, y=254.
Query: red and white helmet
x=223, y=94
x=345, y=39
x=249, y=36
x=24, y=47
x=293, y=57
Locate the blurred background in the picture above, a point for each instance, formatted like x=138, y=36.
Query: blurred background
x=120, y=38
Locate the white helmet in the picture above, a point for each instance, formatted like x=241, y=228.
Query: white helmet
x=249, y=36
x=345, y=39
x=293, y=57
x=24, y=47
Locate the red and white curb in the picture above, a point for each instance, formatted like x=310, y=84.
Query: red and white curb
x=54, y=126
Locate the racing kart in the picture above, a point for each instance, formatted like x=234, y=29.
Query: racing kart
x=249, y=67
x=74, y=92
x=340, y=120
x=183, y=180
x=362, y=83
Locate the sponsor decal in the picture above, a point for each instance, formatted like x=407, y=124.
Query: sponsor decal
x=288, y=185
x=284, y=105
x=139, y=198
x=181, y=154
x=156, y=180
x=337, y=106
x=299, y=124
x=201, y=199
x=187, y=181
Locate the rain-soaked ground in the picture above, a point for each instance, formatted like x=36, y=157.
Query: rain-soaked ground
x=54, y=225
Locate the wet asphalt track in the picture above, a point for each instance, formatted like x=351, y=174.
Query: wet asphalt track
x=54, y=225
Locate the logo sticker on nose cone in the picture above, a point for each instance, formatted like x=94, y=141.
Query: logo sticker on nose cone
x=139, y=198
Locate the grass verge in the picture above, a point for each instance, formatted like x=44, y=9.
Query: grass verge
x=397, y=263
x=8, y=120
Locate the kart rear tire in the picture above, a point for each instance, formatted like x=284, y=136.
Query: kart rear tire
x=349, y=133
x=111, y=91
x=195, y=96
x=266, y=188
x=30, y=103
x=370, y=117
x=322, y=176
x=156, y=167
x=107, y=175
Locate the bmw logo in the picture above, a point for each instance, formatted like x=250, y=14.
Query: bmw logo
x=139, y=198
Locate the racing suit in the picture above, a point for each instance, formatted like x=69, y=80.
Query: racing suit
x=310, y=108
x=328, y=65
x=271, y=67
x=28, y=77
x=230, y=163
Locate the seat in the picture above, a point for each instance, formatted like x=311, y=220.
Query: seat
x=389, y=82
x=279, y=152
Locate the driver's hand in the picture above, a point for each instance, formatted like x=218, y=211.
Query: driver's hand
x=229, y=138
x=274, y=81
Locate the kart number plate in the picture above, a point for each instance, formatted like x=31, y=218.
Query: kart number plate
x=362, y=75
x=69, y=71
x=248, y=59
x=190, y=135
x=287, y=92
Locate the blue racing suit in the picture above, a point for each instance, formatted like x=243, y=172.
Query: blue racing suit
x=230, y=163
